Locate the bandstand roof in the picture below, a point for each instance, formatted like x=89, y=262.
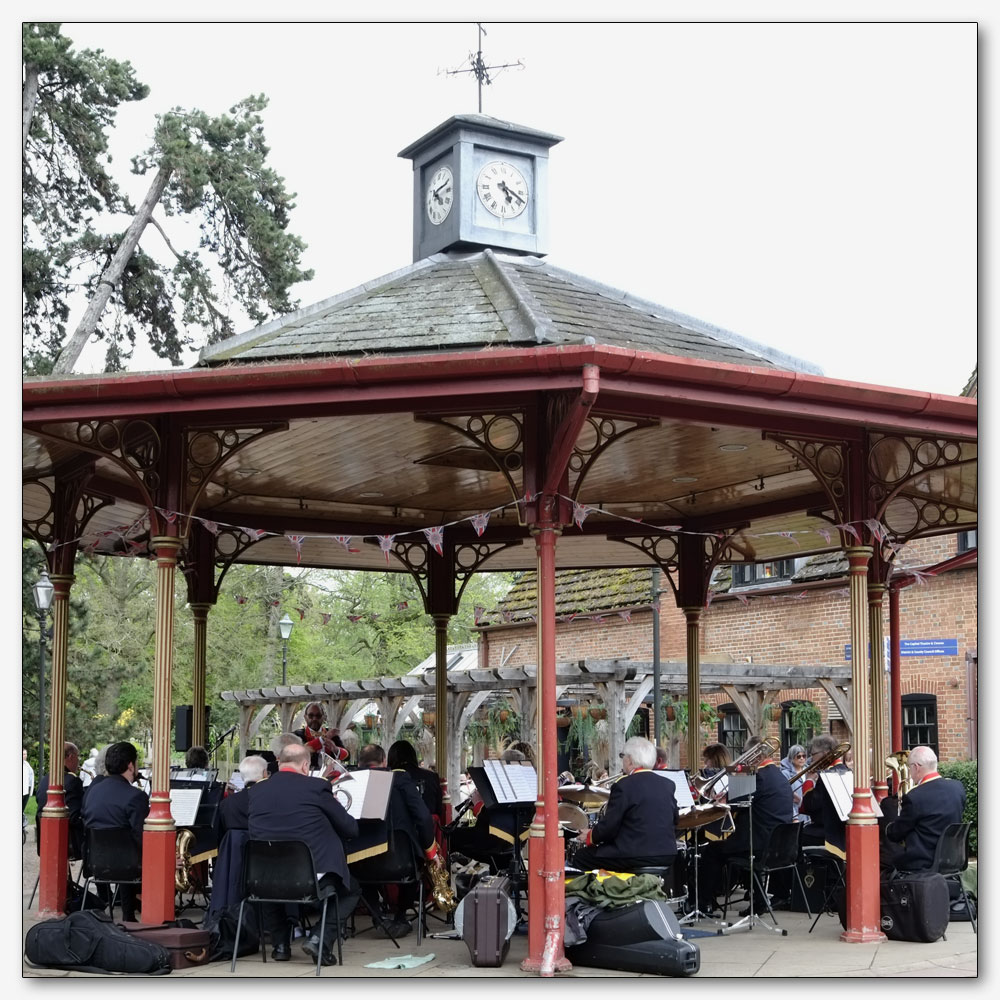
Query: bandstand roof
x=415, y=400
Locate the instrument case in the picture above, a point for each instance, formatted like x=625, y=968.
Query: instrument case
x=914, y=907
x=487, y=921
x=640, y=937
x=186, y=946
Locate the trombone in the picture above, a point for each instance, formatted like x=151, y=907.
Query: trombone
x=749, y=760
x=822, y=762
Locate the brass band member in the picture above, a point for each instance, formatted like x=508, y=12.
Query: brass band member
x=638, y=829
x=714, y=758
x=771, y=805
x=925, y=812
x=318, y=738
x=825, y=826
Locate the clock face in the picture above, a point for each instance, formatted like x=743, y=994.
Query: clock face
x=502, y=189
x=440, y=195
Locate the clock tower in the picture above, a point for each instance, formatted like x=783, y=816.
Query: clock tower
x=480, y=182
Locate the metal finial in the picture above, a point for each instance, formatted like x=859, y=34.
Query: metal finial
x=478, y=68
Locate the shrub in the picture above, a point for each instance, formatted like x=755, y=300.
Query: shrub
x=967, y=771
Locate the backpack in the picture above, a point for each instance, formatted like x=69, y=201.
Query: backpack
x=88, y=941
x=221, y=926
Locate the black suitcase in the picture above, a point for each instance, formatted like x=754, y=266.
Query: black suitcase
x=914, y=907
x=488, y=921
x=640, y=937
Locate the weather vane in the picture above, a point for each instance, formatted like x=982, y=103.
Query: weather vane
x=480, y=70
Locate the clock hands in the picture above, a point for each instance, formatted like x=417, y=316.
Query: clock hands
x=435, y=194
x=509, y=192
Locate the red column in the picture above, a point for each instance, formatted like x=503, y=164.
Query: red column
x=199, y=726
x=441, y=720
x=546, y=859
x=862, y=830
x=158, y=837
x=54, y=824
x=877, y=642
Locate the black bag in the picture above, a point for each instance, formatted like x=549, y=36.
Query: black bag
x=914, y=906
x=87, y=941
x=221, y=925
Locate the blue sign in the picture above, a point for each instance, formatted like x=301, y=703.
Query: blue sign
x=917, y=647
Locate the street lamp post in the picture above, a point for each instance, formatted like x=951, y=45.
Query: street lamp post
x=285, y=627
x=43, y=591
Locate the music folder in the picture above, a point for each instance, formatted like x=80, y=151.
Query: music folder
x=840, y=787
x=506, y=784
x=368, y=790
x=184, y=803
x=682, y=787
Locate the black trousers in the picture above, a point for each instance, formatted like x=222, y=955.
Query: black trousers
x=278, y=917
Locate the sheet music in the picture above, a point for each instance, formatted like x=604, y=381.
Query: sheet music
x=199, y=774
x=369, y=791
x=512, y=782
x=682, y=789
x=840, y=786
x=184, y=803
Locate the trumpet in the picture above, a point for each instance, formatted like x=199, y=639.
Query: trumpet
x=749, y=760
x=822, y=762
x=898, y=763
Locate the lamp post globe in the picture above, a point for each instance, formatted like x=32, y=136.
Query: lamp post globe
x=285, y=628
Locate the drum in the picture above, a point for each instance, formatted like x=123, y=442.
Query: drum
x=701, y=815
x=573, y=817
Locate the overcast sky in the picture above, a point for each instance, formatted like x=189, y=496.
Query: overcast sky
x=808, y=186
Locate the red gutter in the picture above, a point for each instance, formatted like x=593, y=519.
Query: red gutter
x=248, y=382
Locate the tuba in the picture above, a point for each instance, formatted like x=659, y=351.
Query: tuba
x=898, y=763
x=182, y=872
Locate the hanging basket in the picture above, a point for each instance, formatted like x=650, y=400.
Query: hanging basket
x=562, y=721
x=370, y=721
x=671, y=713
x=427, y=718
x=598, y=713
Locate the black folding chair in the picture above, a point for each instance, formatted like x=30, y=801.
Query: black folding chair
x=399, y=866
x=111, y=857
x=834, y=882
x=951, y=858
x=781, y=854
x=283, y=871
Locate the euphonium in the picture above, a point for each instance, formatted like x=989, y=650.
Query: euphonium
x=898, y=762
x=182, y=871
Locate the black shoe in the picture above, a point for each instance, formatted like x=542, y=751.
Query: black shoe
x=396, y=928
x=281, y=952
x=311, y=947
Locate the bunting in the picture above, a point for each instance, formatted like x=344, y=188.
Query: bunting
x=479, y=522
x=301, y=612
x=626, y=616
x=436, y=537
x=385, y=544
x=580, y=513
x=297, y=541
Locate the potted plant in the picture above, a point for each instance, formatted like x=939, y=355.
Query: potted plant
x=598, y=712
x=501, y=722
x=805, y=719
x=427, y=718
x=582, y=728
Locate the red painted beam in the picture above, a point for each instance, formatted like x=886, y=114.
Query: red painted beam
x=564, y=439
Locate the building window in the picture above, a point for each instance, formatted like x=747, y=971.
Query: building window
x=753, y=574
x=789, y=734
x=966, y=540
x=732, y=729
x=920, y=721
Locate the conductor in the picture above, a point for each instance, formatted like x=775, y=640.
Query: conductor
x=640, y=819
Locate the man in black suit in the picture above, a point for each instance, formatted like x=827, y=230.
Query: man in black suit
x=771, y=805
x=638, y=829
x=116, y=803
x=291, y=805
x=73, y=793
x=825, y=827
x=925, y=812
x=381, y=851
x=234, y=809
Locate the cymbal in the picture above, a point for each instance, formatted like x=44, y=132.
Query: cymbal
x=585, y=795
x=701, y=815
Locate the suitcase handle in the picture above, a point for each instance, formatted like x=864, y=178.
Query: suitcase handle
x=196, y=956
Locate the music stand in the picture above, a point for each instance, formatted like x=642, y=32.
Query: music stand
x=514, y=787
x=742, y=785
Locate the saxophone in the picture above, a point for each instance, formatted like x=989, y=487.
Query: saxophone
x=182, y=871
x=441, y=890
x=898, y=763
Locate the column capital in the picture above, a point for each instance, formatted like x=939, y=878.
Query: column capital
x=858, y=557
x=62, y=582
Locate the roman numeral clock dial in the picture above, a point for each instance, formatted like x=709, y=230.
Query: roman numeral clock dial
x=502, y=189
x=440, y=195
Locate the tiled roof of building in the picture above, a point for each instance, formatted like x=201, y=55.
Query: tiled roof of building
x=472, y=301
x=580, y=591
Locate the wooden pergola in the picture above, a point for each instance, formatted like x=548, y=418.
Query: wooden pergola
x=518, y=417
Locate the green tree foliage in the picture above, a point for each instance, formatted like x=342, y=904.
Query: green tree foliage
x=210, y=170
x=967, y=771
x=111, y=648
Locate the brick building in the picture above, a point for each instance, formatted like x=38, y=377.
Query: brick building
x=794, y=611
